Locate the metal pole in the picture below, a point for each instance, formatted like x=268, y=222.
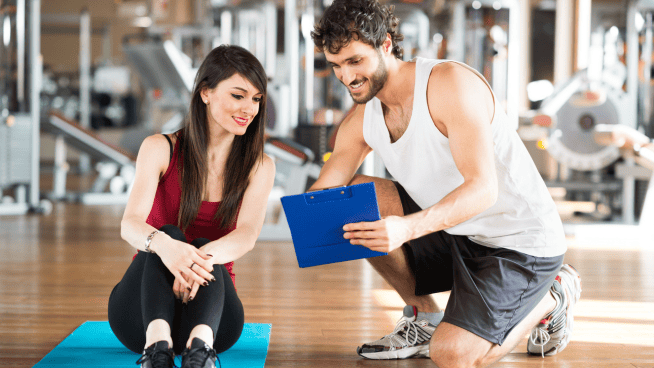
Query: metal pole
x=583, y=32
x=271, y=38
x=632, y=65
x=85, y=81
x=107, y=54
x=513, y=63
x=628, y=192
x=563, y=41
x=291, y=49
x=647, y=70
x=525, y=60
x=36, y=71
x=244, y=29
x=456, y=48
x=20, y=54
x=307, y=26
x=226, y=27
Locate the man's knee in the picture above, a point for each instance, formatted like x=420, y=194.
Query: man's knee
x=450, y=354
x=453, y=358
x=360, y=179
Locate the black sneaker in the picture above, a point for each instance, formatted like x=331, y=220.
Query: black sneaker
x=200, y=355
x=158, y=355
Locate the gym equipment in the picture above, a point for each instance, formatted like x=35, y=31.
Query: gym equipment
x=167, y=75
x=414, y=25
x=296, y=172
x=593, y=103
x=115, y=167
x=492, y=52
x=635, y=147
x=569, y=117
x=574, y=111
x=20, y=112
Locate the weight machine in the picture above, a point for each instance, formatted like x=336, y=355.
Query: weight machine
x=579, y=114
x=20, y=111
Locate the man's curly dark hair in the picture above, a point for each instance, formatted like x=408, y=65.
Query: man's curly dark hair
x=367, y=21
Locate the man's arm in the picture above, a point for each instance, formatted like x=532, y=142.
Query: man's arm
x=466, y=111
x=461, y=106
x=350, y=150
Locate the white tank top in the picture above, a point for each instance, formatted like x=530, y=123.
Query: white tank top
x=524, y=218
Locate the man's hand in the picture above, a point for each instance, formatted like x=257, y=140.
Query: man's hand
x=384, y=235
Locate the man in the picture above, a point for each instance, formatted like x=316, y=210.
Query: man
x=469, y=212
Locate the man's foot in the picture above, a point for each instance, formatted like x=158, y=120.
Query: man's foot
x=552, y=334
x=199, y=355
x=157, y=355
x=409, y=339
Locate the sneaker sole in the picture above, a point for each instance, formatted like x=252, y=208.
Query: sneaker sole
x=576, y=278
x=412, y=352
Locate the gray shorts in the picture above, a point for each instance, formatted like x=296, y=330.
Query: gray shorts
x=492, y=289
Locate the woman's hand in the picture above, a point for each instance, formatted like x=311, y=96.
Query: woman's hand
x=183, y=293
x=187, y=263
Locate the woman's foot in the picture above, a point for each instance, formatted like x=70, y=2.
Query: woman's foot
x=157, y=355
x=199, y=355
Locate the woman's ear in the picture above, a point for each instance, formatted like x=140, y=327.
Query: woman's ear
x=204, y=95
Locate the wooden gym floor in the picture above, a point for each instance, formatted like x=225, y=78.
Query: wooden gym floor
x=57, y=271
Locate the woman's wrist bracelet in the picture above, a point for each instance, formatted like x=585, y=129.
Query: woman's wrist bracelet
x=149, y=240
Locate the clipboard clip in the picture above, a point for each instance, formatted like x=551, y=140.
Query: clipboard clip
x=328, y=188
x=329, y=194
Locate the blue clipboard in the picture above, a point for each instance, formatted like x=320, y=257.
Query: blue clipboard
x=316, y=220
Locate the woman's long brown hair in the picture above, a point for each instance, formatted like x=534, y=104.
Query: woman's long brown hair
x=222, y=62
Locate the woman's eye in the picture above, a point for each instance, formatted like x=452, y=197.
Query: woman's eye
x=355, y=62
x=258, y=99
x=238, y=97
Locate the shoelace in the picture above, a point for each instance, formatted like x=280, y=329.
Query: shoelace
x=542, y=336
x=159, y=358
x=399, y=327
x=198, y=360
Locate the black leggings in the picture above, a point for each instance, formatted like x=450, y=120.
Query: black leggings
x=146, y=293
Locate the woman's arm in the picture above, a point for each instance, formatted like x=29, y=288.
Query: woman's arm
x=151, y=163
x=250, y=218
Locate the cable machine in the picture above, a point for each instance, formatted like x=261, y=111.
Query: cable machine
x=20, y=84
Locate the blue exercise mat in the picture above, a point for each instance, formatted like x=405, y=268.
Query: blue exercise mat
x=93, y=344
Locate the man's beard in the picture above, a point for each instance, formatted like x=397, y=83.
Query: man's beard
x=375, y=83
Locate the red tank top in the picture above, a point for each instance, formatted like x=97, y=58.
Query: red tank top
x=166, y=207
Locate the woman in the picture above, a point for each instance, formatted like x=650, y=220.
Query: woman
x=198, y=204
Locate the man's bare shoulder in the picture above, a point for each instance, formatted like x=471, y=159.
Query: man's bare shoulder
x=452, y=76
x=456, y=93
x=355, y=117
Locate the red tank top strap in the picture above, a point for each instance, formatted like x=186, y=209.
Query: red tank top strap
x=174, y=154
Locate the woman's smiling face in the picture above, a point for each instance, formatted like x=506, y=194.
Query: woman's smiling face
x=232, y=104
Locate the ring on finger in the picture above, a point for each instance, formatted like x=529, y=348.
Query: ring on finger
x=191, y=266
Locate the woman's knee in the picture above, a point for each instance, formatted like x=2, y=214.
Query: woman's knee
x=226, y=339
x=231, y=325
x=174, y=232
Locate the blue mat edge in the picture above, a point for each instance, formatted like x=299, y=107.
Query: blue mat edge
x=42, y=361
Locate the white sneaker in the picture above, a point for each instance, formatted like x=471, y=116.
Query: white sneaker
x=552, y=334
x=409, y=339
